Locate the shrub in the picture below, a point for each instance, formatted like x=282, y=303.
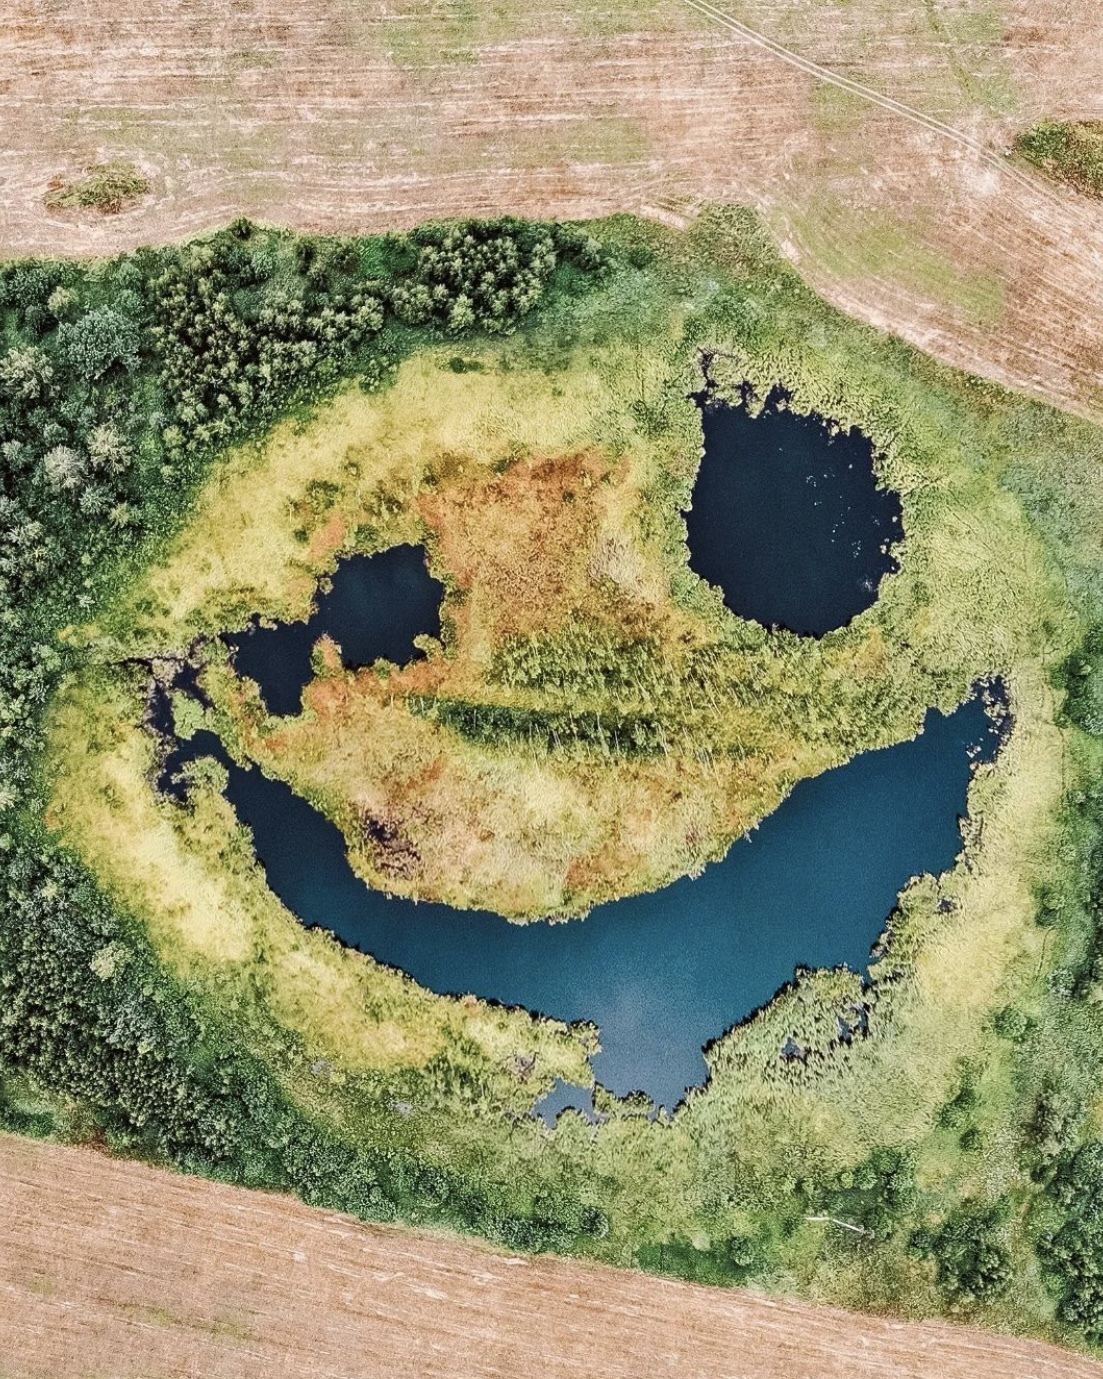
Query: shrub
x=105, y=187
x=1012, y=1025
x=97, y=342
x=485, y=273
x=972, y=1264
x=1074, y=1251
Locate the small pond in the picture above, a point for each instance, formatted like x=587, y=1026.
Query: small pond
x=661, y=974
x=787, y=519
x=374, y=608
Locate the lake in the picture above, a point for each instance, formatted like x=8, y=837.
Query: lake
x=374, y=608
x=660, y=974
x=787, y=519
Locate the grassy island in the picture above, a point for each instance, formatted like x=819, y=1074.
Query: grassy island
x=1067, y=150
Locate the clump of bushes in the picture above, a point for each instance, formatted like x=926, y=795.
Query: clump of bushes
x=487, y=273
x=725, y=1262
x=1074, y=1251
x=876, y=1196
x=237, y=340
x=1071, y=150
x=972, y=1264
x=105, y=187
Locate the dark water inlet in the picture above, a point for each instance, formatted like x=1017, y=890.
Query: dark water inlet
x=787, y=519
x=376, y=606
x=662, y=974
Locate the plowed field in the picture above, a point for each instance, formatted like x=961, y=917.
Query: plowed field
x=341, y=116
x=115, y=1269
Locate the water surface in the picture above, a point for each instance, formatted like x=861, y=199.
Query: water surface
x=375, y=607
x=787, y=519
x=660, y=974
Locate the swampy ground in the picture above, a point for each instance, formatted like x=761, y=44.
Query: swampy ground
x=946, y=1136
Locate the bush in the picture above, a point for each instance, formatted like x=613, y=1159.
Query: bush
x=1074, y=1252
x=480, y=273
x=97, y=342
x=1012, y=1025
x=972, y=1265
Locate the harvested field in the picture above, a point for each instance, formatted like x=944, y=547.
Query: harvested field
x=346, y=118
x=111, y=1268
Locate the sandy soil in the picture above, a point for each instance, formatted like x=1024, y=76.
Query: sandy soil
x=114, y=1269
x=344, y=116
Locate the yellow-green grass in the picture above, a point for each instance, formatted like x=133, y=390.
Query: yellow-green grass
x=547, y=493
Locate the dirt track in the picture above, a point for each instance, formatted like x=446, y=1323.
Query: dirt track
x=342, y=116
x=114, y=1269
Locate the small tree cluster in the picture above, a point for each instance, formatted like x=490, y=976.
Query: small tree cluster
x=972, y=1264
x=482, y=273
x=235, y=346
x=1074, y=1252
x=876, y=1195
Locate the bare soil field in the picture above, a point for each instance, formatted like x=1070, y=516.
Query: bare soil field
x=115, y=1269
x=348, y=117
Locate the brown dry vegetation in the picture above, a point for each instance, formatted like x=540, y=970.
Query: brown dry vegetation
x=341, y=118
x=113, y=1268
x=519, y=541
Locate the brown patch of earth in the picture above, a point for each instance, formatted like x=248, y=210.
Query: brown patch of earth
x=518, y=545
x=111, y=1268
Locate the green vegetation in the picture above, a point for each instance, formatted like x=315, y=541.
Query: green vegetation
x=973, y=1267
x=105, y=187
x=1069, y=150
x=944, y=1156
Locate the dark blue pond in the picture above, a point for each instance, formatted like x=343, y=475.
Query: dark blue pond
x=787, y=520
x=375, y=607
x=660, y=974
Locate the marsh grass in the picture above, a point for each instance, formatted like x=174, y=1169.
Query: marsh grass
x=1002, y=517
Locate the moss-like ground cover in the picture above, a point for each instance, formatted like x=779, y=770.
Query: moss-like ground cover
x=154, y=980
x=1068, y=150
